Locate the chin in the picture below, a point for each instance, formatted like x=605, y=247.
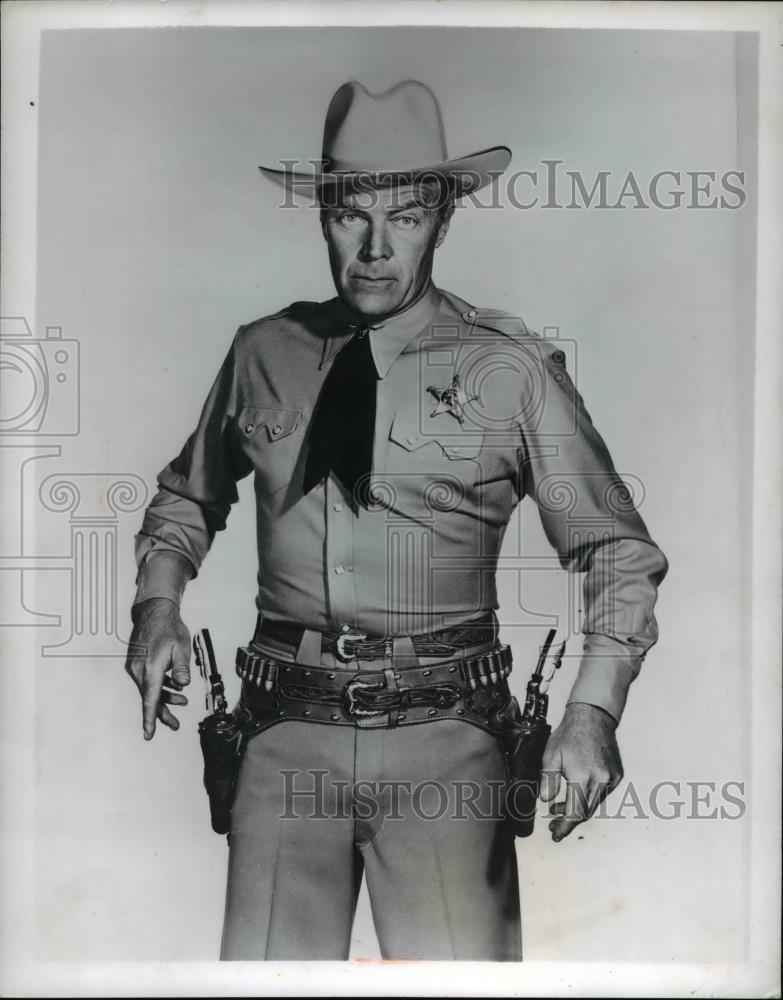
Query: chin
x=372, y=303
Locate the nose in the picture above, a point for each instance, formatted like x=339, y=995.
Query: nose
x=376, y=244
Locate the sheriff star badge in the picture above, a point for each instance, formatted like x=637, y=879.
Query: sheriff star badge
x=450, y=399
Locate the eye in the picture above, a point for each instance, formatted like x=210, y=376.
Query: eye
x=406, y=221
x=350, y=220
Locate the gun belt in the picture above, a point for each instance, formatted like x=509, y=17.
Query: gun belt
x=471, y=689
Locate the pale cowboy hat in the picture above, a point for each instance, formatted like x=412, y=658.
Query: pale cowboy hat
x=394, y=135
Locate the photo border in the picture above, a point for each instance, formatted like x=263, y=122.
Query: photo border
x=22, y=975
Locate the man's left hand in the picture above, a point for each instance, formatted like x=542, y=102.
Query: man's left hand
x=584, y=751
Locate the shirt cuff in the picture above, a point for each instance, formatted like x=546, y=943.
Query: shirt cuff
x=606, y=672
x=163, y=574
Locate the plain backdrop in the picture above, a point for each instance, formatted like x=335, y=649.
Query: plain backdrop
x=158, y=237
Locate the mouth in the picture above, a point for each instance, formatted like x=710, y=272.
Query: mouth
x=364, y=279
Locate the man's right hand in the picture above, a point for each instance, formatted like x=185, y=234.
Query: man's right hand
x=159, y=661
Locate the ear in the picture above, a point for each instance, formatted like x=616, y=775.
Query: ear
x=442, y=230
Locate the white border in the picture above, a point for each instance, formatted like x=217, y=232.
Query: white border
x=22, y=23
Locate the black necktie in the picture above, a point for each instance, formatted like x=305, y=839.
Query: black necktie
x=343, y=426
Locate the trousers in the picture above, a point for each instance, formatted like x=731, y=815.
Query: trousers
x=416, y=811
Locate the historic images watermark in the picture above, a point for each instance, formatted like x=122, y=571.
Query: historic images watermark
x=311, y=794
x=551, y=184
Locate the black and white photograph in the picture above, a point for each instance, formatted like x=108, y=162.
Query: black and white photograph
x=389, y=428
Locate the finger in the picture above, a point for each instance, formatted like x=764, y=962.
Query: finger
x=597, y=792
x=167, y=717
x=152, y=685
x=576, y=810
x=180, y=663
x=556, y=811
x=171, y=683
x=550, y=785
x=173, y=698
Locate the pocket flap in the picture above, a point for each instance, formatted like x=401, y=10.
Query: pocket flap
x=278, y=422
x=456, y=443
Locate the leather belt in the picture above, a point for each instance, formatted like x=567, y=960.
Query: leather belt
x=471, y=689
x=350, y=644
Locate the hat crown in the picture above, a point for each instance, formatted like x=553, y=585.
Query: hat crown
x=399, y=128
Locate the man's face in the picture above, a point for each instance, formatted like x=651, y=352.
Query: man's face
x=381, y=246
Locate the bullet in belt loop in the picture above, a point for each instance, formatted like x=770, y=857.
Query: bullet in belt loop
x=271, y=679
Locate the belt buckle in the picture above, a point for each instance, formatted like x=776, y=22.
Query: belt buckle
x=342, y=654
x=352, y=687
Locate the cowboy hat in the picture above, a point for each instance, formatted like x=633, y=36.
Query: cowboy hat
x=394, y=135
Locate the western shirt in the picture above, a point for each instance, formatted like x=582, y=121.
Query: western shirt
x=447, y=474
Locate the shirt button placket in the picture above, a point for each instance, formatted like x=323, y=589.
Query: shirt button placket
x=341, y=580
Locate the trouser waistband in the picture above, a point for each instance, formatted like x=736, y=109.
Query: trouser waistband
x=313, y=647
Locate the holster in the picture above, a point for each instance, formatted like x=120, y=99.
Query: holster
x=523, y=741
x=222, y=745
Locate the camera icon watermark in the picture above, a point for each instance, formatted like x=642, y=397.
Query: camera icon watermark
x=39, y=381
x=40, y=400
x=489, y=378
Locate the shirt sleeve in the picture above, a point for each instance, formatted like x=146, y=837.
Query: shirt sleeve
x=590, y=518
x=195, y=494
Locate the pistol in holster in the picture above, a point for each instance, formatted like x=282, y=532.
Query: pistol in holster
x=524, y=736
x=221, y=738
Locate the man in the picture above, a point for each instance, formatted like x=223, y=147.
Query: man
x=391, y=432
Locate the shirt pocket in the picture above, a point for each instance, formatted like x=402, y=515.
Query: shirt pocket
x=438, y=463
x=271, y=438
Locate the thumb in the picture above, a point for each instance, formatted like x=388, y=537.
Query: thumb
x=180, y=663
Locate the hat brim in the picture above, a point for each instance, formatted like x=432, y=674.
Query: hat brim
x=468, y=173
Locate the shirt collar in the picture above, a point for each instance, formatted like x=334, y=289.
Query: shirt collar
x=387, y=339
